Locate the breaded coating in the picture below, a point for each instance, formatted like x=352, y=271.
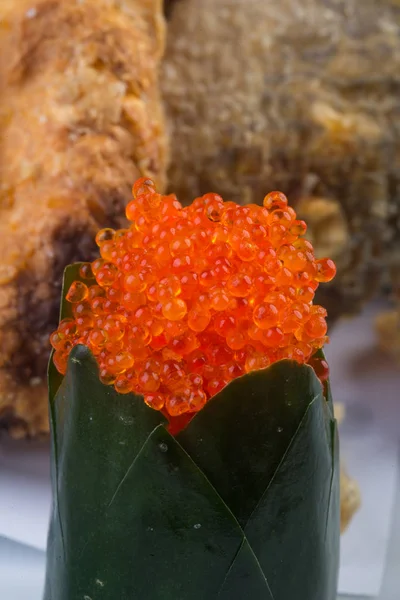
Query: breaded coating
x=80, y=120
x=302, y=96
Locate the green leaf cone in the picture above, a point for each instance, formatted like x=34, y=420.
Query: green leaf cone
x=243, y=503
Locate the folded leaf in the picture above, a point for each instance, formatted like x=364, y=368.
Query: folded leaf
x=135, y=511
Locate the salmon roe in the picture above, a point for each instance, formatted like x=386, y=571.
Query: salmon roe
x=187, y=299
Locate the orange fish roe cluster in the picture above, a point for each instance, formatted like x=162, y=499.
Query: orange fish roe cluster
x=187, y=299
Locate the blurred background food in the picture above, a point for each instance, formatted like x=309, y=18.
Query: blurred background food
x=297, y=95
x=301, y=96
x=388, y=328
x=80, y=120
x=350, y=499
x=350, y=495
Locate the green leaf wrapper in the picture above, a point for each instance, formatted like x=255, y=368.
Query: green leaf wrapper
x=241, y=504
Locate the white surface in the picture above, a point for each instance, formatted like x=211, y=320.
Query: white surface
x=367, y=383
x=361, y=378
x=21, y=571
x=25, y=494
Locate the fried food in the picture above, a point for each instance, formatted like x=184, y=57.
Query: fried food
x=300, y=96
x=80, y=119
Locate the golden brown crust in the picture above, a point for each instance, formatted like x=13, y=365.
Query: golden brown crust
x=297, y=96
x=80, y=120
